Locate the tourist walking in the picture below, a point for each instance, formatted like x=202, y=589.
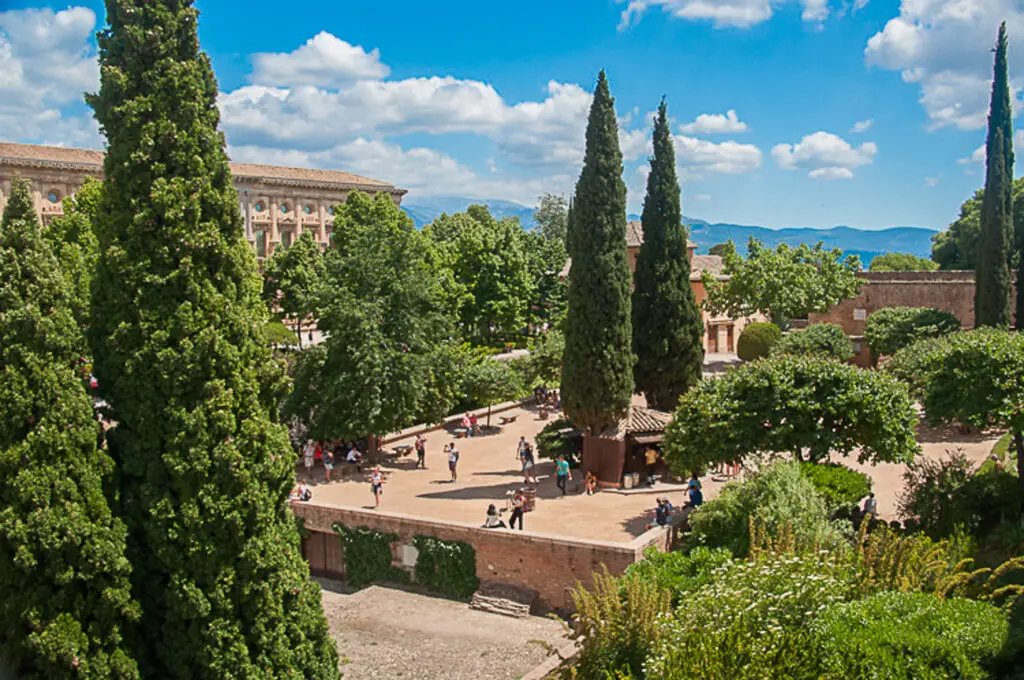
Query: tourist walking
x=518, y=508
x=328, y=459
x=651, y=459
x=528, y=465
x=421, y=452
x=871, y=507
x=308, y=459
x=562, y=473
x=453, y=461
x=376, y=485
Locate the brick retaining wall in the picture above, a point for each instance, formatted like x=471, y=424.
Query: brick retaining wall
x=550, y=565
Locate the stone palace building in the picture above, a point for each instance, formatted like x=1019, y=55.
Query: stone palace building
x=278, y=203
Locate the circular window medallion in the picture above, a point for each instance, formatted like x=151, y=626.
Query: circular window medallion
x=308, y=209
x=259, y=206
x=284, y=207
x=54, y=196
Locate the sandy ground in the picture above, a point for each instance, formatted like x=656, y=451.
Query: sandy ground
x=384, y=633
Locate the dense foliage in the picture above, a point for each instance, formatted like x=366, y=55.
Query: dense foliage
x=667, y=327
x=892, y=328
x=489, y=382
x=807, y=407
x=551, y=444
x=901, y=262
x=447, y=567
x=957, y=247
x=908, y=636
x=72, y=238
x=679, y=572
x=838, y=485
x=773, y=497
x=544, y=365
x=204, y=472
x=597, y=372
x=551, y=217
x=820, y=339
x=784, y=283
x=756, y=340
x=292, y=277
x=367, y=555
x=993, y=282
x=65, y=583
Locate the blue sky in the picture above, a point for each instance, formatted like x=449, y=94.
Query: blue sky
x=868, y=113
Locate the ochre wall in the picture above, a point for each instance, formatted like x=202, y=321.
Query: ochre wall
x=549, y=565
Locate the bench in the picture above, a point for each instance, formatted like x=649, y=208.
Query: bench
x=403, y=449
x=460, y=432
x=505, y=420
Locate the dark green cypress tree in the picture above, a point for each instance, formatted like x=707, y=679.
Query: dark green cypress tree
x=597, y=373
x=993, y=282
x=177, y=336
x=65, y=583
x=667, y=326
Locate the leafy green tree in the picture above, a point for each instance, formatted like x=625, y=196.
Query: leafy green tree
x=993, y=285
x=901, y=262
x=204, y=472
x=72, y=239
x=757, y=339
x=892, y=328
x=545, y=259
x=379, y=310
x=489, y=261
x=820, y=339
x=491, y=381
x=992, y=393
x=784, y=283
x=545, y=361
x=597, y=372
x=291, y=278
x=720, y=249
x=65, y=583
x=957, y=247
x=551, y=216
x=667, y=328
x=805, y=406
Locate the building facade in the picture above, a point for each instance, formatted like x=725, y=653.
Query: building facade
x=278, y=203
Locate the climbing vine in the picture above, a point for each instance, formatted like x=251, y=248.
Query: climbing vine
x=368, y=556
x=448, y=567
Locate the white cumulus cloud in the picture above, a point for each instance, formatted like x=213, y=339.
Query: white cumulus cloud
x=721, y=13
x=715, y=124
x=697, y=156
x=824, y=155
x=943, y=47
x=862, y=126
x=324, y=60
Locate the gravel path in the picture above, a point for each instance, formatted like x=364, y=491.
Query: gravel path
x=384, y=633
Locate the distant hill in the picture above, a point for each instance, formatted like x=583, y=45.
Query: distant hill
x=863, y=243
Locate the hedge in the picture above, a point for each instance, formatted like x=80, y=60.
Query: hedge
x=757, y=340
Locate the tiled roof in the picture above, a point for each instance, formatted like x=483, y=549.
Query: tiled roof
x=638, y=420
x=712, y=264
x=31, y=154
x=635, y=235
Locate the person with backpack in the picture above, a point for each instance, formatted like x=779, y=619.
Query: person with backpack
x=518, y=508
x=421, y=451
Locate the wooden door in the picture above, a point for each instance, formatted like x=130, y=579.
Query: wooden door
x=729, y=339
x=713, y=339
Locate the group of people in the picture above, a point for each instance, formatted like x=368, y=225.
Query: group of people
x=524, y=454
x=470, y=424
x=329, y=453
x=518, y=506
x=663, y=509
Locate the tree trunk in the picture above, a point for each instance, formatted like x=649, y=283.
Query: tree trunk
x=488, y=416
x=1018, y=445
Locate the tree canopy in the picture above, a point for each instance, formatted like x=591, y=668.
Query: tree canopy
x=65, y=586
x=783, y=283
x=822, y=339
x=720, y=249
x=892, y=328
x=291, y=278
x=805, y=406
x=72, y=239
x=667, y=328
x=901, y=262
x=957, y=246
x=176, y=329
x=597, y=372
x=551, y=216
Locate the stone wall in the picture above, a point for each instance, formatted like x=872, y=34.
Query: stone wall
x=550, y=565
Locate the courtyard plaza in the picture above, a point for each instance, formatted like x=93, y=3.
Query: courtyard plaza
x=488, y=471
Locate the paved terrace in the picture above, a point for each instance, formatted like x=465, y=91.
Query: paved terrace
x=488, y=468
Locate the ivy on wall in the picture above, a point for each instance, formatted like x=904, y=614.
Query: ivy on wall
x=367, y=556
x=448, y=567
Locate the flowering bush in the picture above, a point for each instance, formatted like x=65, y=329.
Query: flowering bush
x=751, y=621
x=679, y=572
x=908, y=636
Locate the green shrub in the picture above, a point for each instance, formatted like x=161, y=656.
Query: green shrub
x=279, y=335
x=678, y=572
x=773, y=497
x=615, y=626
x=550, y=444
x=448, y=567
x=838, y=485
x=891, y=329
x=757, y=340
x=915, y=363
x=367, y=555
x=822, y=339
x=751, y=621
x=908, y=636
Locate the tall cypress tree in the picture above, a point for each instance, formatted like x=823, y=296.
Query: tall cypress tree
x=597, y=368
x=65, y=583
x=993, y=282
x=177, y=335
x=667, y=326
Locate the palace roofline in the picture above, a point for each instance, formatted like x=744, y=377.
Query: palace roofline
x=65, y=158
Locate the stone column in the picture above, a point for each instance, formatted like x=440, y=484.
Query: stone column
x=323, y=226
x=274, y=236
x=297, y=209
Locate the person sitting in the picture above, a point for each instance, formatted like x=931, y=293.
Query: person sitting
x=493, y=518
x=355, y=458
x=473, y=425
x=662, y=513
x=467, y=426
x=301, y=492
x=590, y=484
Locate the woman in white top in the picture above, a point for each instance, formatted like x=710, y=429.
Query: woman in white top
x=307, y=457
x=376, y=485
x=493, y=519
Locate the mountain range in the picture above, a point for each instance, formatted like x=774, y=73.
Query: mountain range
x=861, y=242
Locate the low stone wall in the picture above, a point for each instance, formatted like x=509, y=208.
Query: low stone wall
x=454, y=420
x=549, y=565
